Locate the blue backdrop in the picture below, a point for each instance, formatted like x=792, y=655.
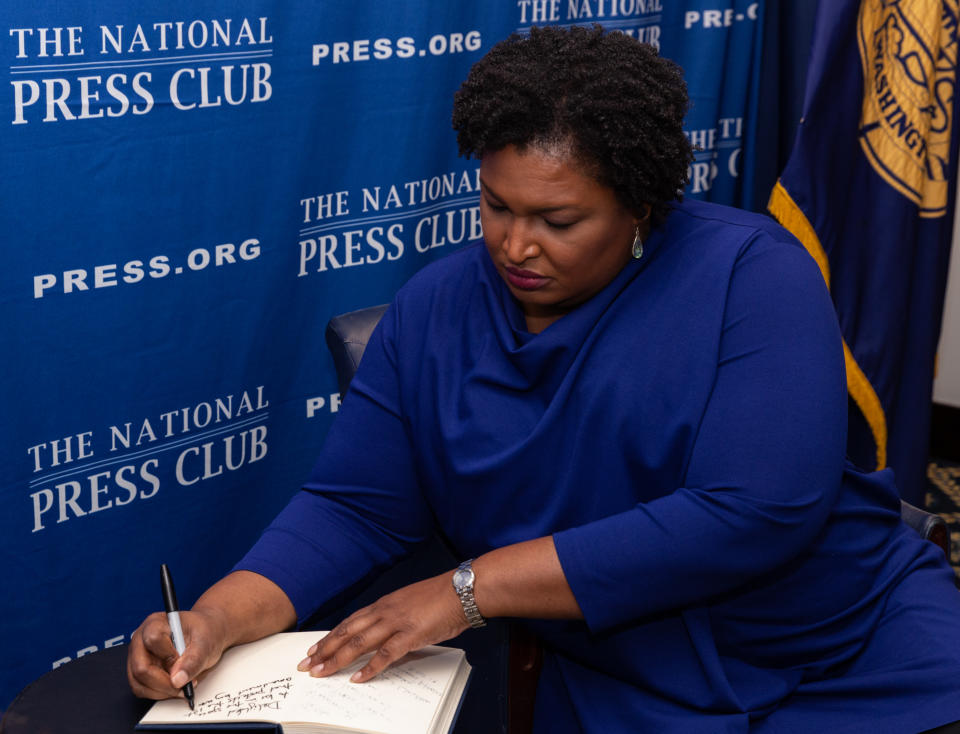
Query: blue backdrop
x=188, y=195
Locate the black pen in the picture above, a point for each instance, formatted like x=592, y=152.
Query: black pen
x=173, y=617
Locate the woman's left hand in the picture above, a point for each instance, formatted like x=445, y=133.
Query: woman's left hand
x=420, y=614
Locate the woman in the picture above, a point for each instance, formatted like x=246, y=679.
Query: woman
x=630, y=412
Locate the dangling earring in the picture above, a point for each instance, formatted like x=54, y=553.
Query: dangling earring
x=637, y=244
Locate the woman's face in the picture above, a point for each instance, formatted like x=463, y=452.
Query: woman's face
x=555, y=234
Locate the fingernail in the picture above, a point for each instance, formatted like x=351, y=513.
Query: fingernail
x=313, y=649
x=355, y=678
x=179, y=679
x=304, y=664
x=316, y=670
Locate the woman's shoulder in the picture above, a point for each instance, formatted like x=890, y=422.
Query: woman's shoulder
x=746, y=250
x=446, y=284
x=718, y=219
x=448, y=270
x=447, y=275
x=714, y=231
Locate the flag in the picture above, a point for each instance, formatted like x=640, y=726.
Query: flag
x=869, y=190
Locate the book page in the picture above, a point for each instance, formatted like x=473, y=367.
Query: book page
x=259, y=682
x=404, y=698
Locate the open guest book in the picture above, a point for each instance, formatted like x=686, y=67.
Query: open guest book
x=257, y=685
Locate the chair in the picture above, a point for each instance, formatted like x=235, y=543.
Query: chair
x=931, y=527
x=347, y=337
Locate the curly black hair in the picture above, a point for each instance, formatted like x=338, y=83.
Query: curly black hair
x=613, y=99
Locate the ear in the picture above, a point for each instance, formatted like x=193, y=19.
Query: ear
x=637, y=221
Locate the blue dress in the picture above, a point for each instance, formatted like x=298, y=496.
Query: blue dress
x=681, y=435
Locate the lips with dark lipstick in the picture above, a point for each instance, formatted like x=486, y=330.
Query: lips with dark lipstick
x=526, y=280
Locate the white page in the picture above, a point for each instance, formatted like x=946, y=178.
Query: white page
x=259, y=682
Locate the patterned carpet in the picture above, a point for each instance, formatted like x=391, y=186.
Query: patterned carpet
x=943, y=498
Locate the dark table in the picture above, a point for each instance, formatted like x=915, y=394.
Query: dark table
x=88, y=695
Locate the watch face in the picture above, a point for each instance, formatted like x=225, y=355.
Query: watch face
x=462, y=578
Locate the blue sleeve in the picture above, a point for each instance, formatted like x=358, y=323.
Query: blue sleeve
x=765, y=467
x=362, y=507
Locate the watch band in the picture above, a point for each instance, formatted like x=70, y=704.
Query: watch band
x=463, y=580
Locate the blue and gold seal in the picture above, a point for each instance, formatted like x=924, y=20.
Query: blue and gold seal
x=909, y=58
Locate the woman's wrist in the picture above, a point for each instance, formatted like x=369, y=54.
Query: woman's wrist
x=523, y=580
x=245, y=606
x=218, y=627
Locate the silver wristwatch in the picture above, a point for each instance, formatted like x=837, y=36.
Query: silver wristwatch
x=463, y=579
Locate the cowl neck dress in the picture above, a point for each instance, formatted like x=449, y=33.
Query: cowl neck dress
x=681, y=435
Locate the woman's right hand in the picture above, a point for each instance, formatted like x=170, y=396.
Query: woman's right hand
x=154, y=669
x=242, y=607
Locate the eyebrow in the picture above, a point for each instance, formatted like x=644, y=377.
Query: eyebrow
x=543, y=210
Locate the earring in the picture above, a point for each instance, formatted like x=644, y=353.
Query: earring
x=637, y=245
